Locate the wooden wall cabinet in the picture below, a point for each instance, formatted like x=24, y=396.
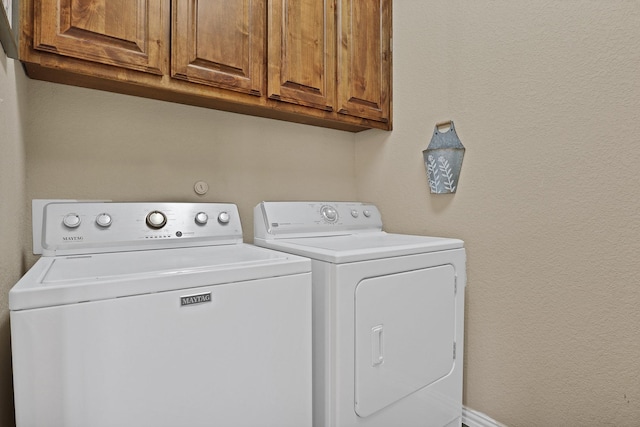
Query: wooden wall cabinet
x=219, y=43
x=124, y=33
x=302, y=52
x=321, y=62
x=364, y=59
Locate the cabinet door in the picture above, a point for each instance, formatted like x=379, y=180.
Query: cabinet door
x=219, y=43
x=127, y=33
x=364, y=59
x=301, y=60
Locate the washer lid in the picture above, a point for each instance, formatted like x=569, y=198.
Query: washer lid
x=361, y=247
x=64, y=280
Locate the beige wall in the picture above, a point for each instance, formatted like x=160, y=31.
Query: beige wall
x=13, y=227
x=545, y=95
x=97, y=145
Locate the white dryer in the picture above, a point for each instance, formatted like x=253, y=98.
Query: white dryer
x=388, y=314
x=156, y=314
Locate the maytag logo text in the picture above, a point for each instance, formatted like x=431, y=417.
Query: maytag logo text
x=195, y=299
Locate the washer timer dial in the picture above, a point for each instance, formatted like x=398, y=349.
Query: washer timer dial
x=156, y=219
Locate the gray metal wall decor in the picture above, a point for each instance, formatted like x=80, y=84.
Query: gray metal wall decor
x=443, y=159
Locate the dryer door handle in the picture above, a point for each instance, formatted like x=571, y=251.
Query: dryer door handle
x=377, y=346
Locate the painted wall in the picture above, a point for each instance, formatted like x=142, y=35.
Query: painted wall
x=13, y=227
x=89, y=144
x=545, y=95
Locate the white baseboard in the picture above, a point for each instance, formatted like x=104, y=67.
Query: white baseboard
x=473, y=418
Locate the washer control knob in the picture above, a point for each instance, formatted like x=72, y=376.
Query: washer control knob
x=156, y=219
x=103, y=220
x=201, y=218
x=329, y=213
x=71, y=220
x=366, y=213
x=224, y=218
x=355, y=213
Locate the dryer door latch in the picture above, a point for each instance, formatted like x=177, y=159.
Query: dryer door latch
x=377, y=346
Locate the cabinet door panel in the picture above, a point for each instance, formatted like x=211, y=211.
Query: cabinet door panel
x=219, y=43
x=302, y=52
x=131, y=34
x=364, y=59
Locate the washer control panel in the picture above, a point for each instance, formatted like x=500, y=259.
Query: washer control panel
x=293, y=219
x=93, y=227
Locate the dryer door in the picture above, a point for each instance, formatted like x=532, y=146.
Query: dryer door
x=404, y=335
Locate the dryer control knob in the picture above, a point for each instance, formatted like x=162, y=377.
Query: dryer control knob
x=367, y=213
x=103, y=220
x=224, y=218
x=355, y=213
x=71, y=220
x=156, y=219
x=201, y=218
x=329, y=213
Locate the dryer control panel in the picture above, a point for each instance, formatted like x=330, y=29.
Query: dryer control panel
x=94, y=227
x=301, y=219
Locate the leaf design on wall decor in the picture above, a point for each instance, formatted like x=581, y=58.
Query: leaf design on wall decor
x=432, y=170
x=445, y=168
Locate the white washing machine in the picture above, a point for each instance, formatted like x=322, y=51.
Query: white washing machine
x=156, y=314
x=388, y=314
